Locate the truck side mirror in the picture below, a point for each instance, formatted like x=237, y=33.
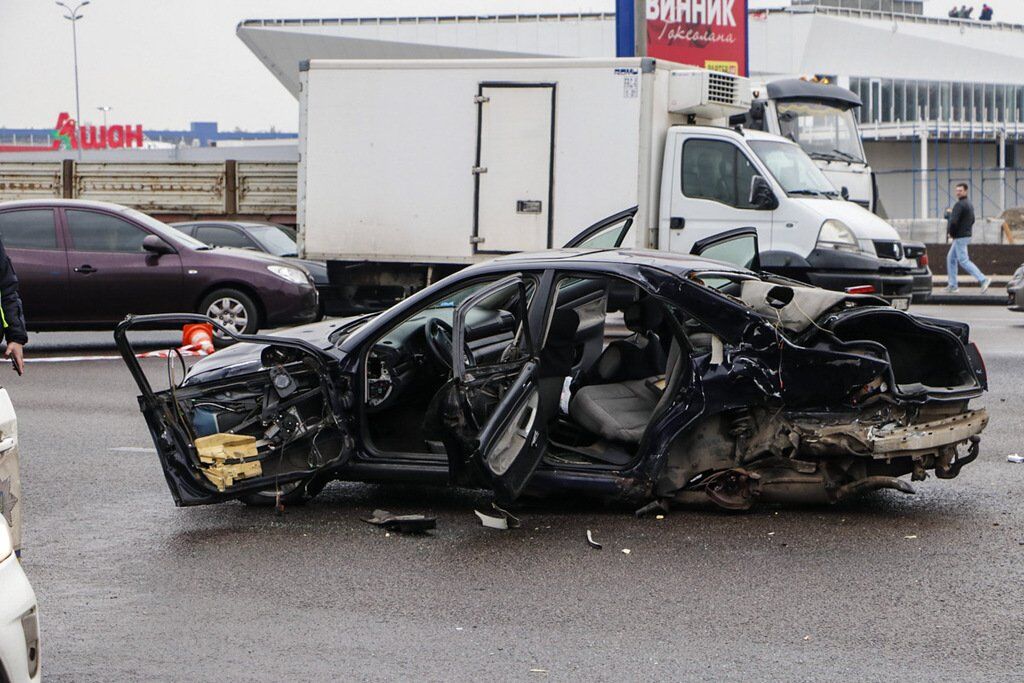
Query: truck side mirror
x=844, y=192
x=761, y=195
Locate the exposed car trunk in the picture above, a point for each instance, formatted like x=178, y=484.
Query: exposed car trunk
x=925, y=359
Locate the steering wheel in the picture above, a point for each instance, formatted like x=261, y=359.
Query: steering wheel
x=439, y=340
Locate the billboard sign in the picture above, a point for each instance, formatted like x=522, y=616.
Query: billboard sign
x=67, y=134
x=706, y=33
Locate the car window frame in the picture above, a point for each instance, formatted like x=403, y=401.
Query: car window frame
x=70, y=238
x=253, y=243
x=57, y=231
x=736, y=150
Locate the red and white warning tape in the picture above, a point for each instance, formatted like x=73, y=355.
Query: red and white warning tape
x=188, y=350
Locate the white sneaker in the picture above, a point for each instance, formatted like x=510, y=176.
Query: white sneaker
x=985, y=283
x=952, y=290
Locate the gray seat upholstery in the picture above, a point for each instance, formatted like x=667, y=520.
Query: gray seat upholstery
x=621, y=411
x=617, y=412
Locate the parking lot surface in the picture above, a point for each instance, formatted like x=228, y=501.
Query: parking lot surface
x=924, y=587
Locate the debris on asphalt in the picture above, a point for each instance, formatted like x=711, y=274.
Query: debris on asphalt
x=1015, y=457
x=406, y=524
x=592, y=542
x=626, y=551
x=504, y=520
x=910, y=536
x=659, y=506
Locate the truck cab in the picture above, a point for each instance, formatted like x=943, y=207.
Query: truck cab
x=714, y=179
x=822, y=119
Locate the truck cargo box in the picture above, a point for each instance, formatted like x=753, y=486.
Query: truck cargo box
x=453, y=161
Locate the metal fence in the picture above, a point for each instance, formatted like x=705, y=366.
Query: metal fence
x=201, y=189
x=991, y=190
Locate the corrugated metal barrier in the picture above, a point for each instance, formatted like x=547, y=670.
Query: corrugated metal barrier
x=179, y=189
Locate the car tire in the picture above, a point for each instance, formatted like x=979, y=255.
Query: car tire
x=292, y=493
x=233, y=309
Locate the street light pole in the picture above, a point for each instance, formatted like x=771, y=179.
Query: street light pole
x=104, y=109
x=73, y=16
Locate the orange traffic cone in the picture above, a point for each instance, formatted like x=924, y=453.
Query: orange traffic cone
x=198, y=336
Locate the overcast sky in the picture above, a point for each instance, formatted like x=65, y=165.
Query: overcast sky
x=164, y=64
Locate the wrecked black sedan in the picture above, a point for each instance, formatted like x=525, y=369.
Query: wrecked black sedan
x=647, y=376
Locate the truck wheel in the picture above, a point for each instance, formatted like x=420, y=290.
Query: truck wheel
x=292, y=493
x=234, y=310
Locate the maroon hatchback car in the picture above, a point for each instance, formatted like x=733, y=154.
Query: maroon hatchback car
x=86, y=265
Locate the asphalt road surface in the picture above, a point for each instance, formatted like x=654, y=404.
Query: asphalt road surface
x=925, y=587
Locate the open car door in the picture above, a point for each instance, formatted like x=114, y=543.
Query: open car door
x=738, y=247
x=268, y=431
x=501, y=420
x=607, y=233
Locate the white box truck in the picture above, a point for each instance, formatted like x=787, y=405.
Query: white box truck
x=410, y=170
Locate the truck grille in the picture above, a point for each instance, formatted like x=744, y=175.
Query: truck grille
x=889, y=249
x=721, y=88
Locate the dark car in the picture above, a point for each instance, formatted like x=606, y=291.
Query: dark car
x=733, y=387
x=86, y=265
x=269, y=238
x=1015, y=290
x=917, y=254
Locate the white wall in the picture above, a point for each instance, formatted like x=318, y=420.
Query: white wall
x=813, y=42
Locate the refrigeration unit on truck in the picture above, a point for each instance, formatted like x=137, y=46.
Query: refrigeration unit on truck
x=822, y=119
x=410, y=170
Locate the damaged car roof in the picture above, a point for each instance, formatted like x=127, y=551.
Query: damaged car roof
x=675, y=263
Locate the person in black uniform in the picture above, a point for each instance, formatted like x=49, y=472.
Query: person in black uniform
x=11, y=315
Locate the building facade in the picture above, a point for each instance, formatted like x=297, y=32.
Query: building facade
x=943, y=97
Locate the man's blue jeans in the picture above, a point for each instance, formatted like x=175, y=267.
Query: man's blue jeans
x=958, y=256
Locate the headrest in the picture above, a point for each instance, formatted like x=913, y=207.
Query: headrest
x=621, y=294
x=643, y=315
x=564, y=324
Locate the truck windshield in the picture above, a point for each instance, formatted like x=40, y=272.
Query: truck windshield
x=824, y=131
x=792, y=168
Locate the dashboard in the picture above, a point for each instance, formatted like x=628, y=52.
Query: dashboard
x=402, y=359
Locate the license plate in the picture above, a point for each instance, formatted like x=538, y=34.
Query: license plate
x=901, y=304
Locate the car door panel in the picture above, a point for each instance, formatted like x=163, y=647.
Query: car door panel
x=502, y=425
x=513, y=441
x=36, y=250
x=739, y=247
x=609, y=232
x=307, y=435
x=111, y=276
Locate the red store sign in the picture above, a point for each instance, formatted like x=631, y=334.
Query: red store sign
x=69, y=135
x=706, y=33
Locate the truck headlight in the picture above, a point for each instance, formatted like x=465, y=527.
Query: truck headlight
x=290, y=274
x=836, y=235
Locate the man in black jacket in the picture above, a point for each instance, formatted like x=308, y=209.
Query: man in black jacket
x=11, y=315
x=959, y=228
